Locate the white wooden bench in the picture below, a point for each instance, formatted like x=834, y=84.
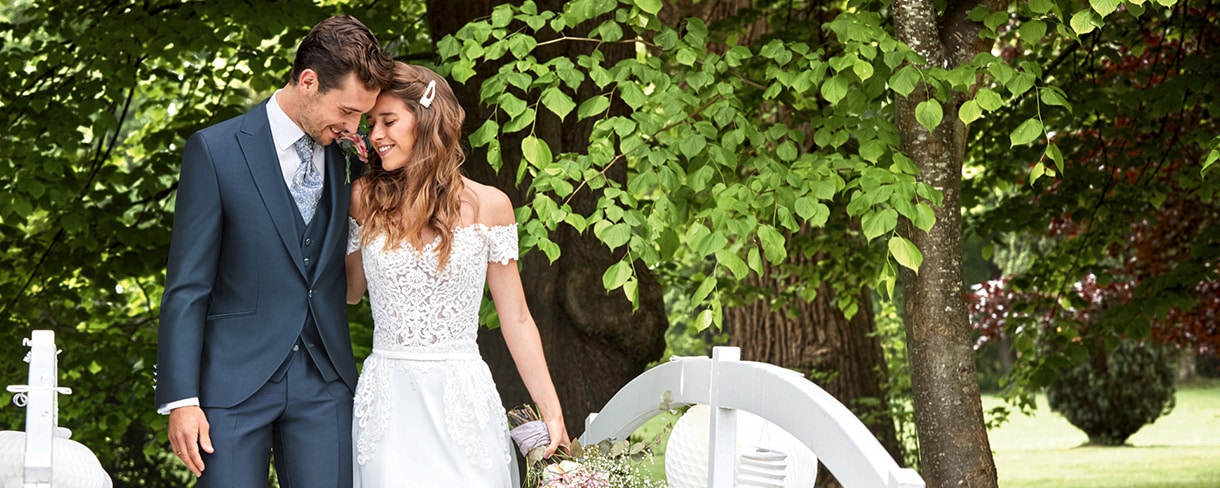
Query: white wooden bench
x=786, y=398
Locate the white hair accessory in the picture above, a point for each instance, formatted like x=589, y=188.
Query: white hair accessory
x=429, y=94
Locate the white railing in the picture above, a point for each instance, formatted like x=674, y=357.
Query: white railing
x=786, y=398
x=49, y=459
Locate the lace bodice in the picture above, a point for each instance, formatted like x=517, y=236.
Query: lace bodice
x=420, y=309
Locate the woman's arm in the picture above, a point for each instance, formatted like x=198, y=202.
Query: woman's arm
x=519, y=330
x=356, y=282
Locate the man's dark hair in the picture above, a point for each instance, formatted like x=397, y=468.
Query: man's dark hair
x=340, y=45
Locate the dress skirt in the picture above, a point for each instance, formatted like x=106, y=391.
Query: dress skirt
x=430, y=420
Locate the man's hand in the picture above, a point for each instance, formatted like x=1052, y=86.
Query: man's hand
x=188, y=432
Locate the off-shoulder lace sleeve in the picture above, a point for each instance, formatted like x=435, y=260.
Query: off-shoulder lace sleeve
x=502, y=244
x=353, y=235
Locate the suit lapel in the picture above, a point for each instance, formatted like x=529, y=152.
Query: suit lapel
x=336, y=227
x=257, y=145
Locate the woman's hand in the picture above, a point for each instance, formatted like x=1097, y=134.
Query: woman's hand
x=558, y=433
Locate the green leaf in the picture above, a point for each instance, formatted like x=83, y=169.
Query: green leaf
x=903, y=82
x=705, y=289
x=1041, y=6
x=874, y=224
x=805, y=207
x=925, y=218
x=1037, y=172
x=731, y=260
x=1026, y=132
x=557, y=102
x=501, y=16
x=1104, y=7
x=772, y=243
x=650, y=6
x=592, y=106
x=1032, y=32
x=988, y=100
x=616, y=275
x=929, y=113
x=905, y=252
x=872, y=150
x=692, y=144
x=536, y=151
x=614, y=235
x=485, y=133
x=1083, y=22
x=704, y=320
x=1052, y=95
x=786, y=151
x=1211, y=158
x=834, y=89
x=969, y=111
x=863, y=69
x=1052, y=152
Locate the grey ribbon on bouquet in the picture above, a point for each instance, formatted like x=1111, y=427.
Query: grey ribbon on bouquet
x=530, y=435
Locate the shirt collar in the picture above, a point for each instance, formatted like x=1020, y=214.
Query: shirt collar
x=284, y=132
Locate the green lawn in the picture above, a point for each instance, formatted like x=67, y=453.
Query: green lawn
x=1179, y=450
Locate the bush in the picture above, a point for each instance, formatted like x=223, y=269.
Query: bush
x=1115, y=393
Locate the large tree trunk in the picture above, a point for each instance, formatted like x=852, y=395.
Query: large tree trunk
x=953, y=444
x=594, y=342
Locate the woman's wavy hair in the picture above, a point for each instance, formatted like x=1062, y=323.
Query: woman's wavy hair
x=426, y=191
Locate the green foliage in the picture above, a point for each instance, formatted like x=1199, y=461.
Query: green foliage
x=1116, y=392
x=1090, y=172
x=892, y=333
x=99, y=100
x=733, y=153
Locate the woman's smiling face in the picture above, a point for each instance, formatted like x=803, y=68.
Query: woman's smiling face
x=392, y=131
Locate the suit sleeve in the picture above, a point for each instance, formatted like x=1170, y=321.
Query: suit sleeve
x=194, y=254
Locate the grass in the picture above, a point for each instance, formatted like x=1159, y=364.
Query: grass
x=1181, y=450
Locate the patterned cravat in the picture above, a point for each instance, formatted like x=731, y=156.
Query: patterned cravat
x=307, y=181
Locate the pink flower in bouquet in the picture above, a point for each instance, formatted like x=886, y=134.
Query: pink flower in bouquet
x=571, y=474
x=354, y=144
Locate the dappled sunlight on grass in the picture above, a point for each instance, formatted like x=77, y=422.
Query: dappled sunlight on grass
x=1179, y=450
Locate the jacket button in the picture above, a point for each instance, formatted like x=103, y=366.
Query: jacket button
x=311, y=294
x=306, y=262
x=308, y=241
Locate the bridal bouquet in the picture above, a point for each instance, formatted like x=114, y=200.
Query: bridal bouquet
x=604, y=465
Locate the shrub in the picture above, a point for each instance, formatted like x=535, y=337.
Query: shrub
x=1116, y=392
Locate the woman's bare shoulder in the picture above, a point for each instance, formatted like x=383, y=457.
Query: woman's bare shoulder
x=491, y=205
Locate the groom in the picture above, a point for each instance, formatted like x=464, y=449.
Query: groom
x=254, y=354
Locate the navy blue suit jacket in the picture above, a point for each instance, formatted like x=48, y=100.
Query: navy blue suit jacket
x=236, y=289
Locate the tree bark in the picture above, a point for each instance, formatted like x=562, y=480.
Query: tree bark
x=593, y=340
x=954, y=449
x=815, y=338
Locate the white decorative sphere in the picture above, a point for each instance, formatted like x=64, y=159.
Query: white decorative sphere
x=75, y=466
x=687, y=449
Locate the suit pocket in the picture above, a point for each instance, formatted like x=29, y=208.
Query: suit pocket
x=230, y=315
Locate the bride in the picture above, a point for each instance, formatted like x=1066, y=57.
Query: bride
x=424, y=242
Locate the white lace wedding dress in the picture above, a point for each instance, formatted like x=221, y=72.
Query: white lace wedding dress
x=427, y=413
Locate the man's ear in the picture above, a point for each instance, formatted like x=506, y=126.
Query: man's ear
x=307, y=82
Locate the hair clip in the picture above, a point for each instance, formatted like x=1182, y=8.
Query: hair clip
x=429, y=94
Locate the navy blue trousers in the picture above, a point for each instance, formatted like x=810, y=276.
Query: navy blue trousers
x=303, y=419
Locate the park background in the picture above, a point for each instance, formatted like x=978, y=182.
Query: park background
x=914, y=203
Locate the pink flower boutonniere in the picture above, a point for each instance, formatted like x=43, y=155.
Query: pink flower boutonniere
x=354, y=144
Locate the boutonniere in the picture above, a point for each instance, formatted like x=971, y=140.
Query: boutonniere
x=353, y=144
